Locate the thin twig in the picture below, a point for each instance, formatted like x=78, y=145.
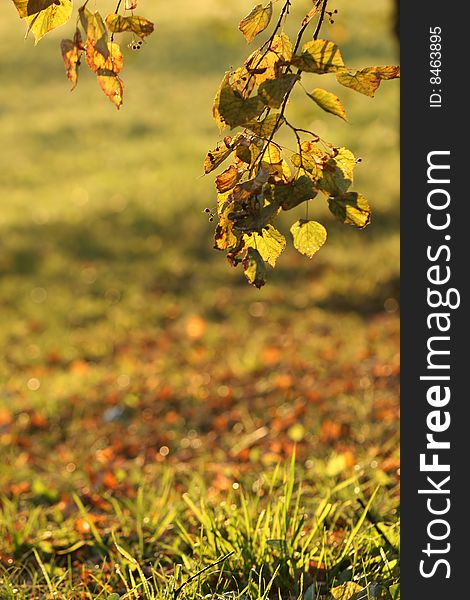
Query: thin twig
x=320, y=20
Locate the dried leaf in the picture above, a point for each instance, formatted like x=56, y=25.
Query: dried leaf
x=71, y=53
x=138, y=25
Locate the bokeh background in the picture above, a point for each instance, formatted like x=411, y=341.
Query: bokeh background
x=128, y=344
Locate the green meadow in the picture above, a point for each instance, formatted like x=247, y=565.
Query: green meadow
x=157, y=413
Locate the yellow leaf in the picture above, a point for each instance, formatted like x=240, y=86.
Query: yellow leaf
x=319, y=56
x=256, y=21
x=308, y=236
x=351, y=208
x=366, y=81
x=282, y=46
x=53, y=16
x=269, y=243
x=328, y=102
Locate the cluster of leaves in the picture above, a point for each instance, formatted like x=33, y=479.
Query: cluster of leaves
x=266, y=178
x=96, y=38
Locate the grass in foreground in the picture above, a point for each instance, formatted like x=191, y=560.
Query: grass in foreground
x=279, y=539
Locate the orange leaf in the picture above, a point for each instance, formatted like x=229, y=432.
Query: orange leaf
x=111, y=85
x=96, y=61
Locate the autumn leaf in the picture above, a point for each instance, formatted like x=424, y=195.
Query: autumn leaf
x=337, y=172
x=111, y=85
x=26, y=8
x=225, y=237
x=217, y=156
x=267, y=126
x=319, y=56
x=96, y=61
x=351, y=208
x=270, y=243
x=328, y=102
x=71, y=53
x=230, y=109
x=256, y=21
x=138, y=25
x=311, y=13
x=255, y=269
x=95, y=29
x=294, y=193
x=228, y=179
x=52, y=15
x=282, y=46
x=308, y=236
x=273, y=91
x=366, y=81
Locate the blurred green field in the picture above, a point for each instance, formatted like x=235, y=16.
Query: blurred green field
x=132, y=349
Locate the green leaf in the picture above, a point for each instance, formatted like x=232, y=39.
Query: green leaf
x=319, y=56
x=351, y=208
x=255, y=269
x=328, y=102
x=270, y=243
x=256, y=21
x=51, y=17
x=309, y=236
x=395, y=591
x=294, y=193
x=230, y=109
x=138, y=25
x=266, y=127
x=337, y=172
x=273, y=91
x=366, y=81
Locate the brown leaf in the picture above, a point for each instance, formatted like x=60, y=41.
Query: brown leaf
x=228, y=179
